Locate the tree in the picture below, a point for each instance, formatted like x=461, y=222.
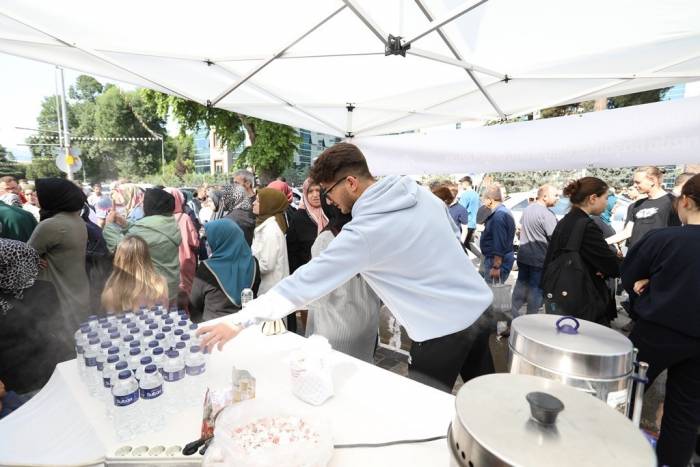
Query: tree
x=97, y=111
x=5, y=154
x=644, y=97
x=42, y=168
x=8, y=166
x=272, y=145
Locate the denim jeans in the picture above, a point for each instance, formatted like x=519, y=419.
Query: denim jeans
x=527, y=289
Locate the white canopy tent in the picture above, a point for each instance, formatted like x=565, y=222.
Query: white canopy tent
x=321, y=64
x=663, y=133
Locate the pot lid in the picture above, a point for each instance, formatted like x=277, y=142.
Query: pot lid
x=571, y=346
x=495, y=411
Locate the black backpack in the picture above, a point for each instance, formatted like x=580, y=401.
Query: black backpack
x=567, y=283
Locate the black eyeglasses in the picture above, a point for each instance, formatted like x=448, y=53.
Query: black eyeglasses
x=325, y=193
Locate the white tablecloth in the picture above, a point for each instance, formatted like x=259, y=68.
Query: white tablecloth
x=63, y=425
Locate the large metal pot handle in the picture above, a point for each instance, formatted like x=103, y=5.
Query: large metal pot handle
x=567, y=328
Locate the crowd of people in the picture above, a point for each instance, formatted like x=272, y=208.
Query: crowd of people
x=352, y=244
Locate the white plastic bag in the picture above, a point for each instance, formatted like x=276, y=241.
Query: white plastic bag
x=312, y=381
x=309, y=444
x=502, y=301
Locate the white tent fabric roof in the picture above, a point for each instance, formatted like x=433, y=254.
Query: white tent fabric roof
x=302, y=62
x=662, y=133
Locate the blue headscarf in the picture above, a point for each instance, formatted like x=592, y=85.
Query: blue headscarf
x=231, y=259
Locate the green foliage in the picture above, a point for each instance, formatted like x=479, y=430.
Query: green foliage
x=567, y=109
x=272, y=145
x=190, y=180
x=295, y=175
x=5, y=154
x=8, y=166
x=104, y=112
x=42, y=168
x=645, y=97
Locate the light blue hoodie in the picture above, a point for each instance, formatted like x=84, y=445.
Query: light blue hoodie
x=402, y=241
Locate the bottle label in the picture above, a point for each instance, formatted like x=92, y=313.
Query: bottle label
x=171, y=376
x=195, y=370
x=121, y=401
x=151, y=393
x=90, y=361
x=107, y=382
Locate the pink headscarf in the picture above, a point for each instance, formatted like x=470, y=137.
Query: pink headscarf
x=316, y=214
x=283, y=187
x=190, y=241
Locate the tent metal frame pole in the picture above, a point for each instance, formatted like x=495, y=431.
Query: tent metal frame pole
x=98, y=56
x=453, y=48
x=285, y=102
x=448, y=18
x=367, y=20
x=454, y=62
x=269, y=60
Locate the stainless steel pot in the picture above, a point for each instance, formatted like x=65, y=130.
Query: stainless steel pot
x=521, y=420
x=585, y=355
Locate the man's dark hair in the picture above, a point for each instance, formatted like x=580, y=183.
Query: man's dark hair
x=338, y=161
x=467, y=179
x=444, y=193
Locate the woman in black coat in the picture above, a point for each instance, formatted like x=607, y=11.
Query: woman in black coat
x=588, y=197
x=32, y=337
x=304, y=226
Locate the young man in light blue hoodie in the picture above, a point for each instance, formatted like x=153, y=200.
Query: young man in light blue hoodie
x=402, y=242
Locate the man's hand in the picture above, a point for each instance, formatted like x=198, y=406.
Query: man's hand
x=495, y=273
x=217, y=334
x=111, y=217
x=640, y=286
x=43, y=264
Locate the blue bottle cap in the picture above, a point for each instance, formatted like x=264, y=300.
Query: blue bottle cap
x=166, y=329
x=105, y=345
x=134, y=351
x=146, y=360
x=158, y=351
x=128, y=338
x=195, y=349
x=185, y=337
x=121, y=365
x=180, y=345
x=182, y=322
x=173, y=354
x=94, y=341
x=193, y=326
x=92, y=335
x=179, y=332
x=147, y=333
x=153, y=344
x=113, y=359
x=160, y=336
x=151, y=369
x=126, y=374
x=153, y=326
x=134, y=344
x=113, y=350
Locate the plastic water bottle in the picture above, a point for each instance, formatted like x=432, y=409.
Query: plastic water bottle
x=153, y=327
x=92, y=322
x=136, y=332
x=160, y=337
x=158, y=358
x=109, y=370
x=92, y=351
x=102, y=355
x=134, y=345
x=167, y=331
x=195, y=366
x=187, y=339
x=173, y=373
x=81, y=341
x=125, y=393
x=246, y=297
x=152, y=398
x=125, y=345
x=114, y=336
x=175, y=338
x=120, y=366
x=143, y=363
x=134, y=359
x=147, y=335
x=151, y=346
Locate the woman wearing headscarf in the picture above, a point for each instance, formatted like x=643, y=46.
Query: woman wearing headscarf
x=305, y=225
x=219, y=280
x=240, y=209
x=98, y=261
x=188, y=246
x=30, y=327
x=269, y=245
x=349, y=316
x=286, y=190
x=61, y=241
x=128, y=197
x=160, y=231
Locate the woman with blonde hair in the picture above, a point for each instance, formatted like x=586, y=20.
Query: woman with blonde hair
x=134, y=281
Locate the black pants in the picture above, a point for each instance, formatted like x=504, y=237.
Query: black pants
x=437, y=362
x=468, y=240
x=663, y=348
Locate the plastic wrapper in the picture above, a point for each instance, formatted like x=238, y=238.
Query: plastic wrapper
x=215, y=400
x=310, y=370
x=262, y=433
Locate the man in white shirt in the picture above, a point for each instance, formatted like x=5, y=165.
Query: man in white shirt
x=403, y=243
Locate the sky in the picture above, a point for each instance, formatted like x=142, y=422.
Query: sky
x=23, y=85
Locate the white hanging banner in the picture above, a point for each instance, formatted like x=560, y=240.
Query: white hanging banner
x=662, y=133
